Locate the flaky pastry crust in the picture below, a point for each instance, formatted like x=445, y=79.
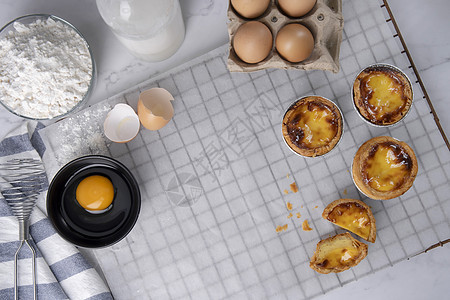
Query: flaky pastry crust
x=319, y=265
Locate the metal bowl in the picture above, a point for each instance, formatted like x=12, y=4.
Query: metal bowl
x=33, y=18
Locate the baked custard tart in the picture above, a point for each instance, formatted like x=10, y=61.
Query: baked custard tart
x=312, y=126
x=337, y=254
x=353, y=215
x=382, y=94
x=384, y=168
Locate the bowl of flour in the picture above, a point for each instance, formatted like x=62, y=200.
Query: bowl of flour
x=46, y=67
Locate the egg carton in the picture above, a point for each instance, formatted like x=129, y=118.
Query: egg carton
x=325, y=21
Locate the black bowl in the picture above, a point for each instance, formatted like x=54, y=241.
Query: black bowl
x=77, y=225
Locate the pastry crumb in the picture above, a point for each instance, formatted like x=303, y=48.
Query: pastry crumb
x=281, y=228
x=299, y=215
x=287, y=176
x=289, y=216
x=305, y=226
x=286, y=192
x=316, y=206
x=294, y=187
x=345, y=192
x=289, y=205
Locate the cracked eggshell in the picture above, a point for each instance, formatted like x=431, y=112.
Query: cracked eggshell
x=155, y=108
x=121, y=124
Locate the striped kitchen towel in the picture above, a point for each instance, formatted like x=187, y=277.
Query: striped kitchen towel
x=62, y=272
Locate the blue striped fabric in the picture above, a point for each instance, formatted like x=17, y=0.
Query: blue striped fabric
x=50, y=291
x=15, y=144
x=61, y=274
x=36, y=140
x=69, y=266
x=8, y=250
x=41, y=230
x=4, y=209
x=103, y=296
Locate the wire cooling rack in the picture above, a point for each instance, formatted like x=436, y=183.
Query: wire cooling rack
x=213, y=180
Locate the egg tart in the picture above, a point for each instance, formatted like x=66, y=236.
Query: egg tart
x=384, y=168
x=312, y=126
x=353, y=215
x=337, y=254
x=382, y=94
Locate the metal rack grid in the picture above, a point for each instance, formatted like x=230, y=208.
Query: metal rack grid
x=212, y=180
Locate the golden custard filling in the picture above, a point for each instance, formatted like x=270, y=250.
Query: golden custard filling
x=386, y=167
x=353, y=217
x=339, y=253
x=312, y=125
x=383, y=95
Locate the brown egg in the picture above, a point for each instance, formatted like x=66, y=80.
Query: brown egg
x=294, y=42
x=252, y=42
x=296, y=8
x=250, y=8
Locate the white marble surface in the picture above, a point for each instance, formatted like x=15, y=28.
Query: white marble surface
x=425, y=26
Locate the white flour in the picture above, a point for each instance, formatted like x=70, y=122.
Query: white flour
x=81, y=134
x=78, y=135
x=45, y=69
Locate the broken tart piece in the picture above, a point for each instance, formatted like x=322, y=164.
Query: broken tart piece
x=353, y=215
x=337, y=254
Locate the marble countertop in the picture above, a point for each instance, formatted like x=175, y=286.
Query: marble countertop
x=423, y=24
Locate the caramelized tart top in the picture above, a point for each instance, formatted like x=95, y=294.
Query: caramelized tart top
x=312, y=126
x=387, y=166
x=384, y=168
x=382, y=95
x=353, y=215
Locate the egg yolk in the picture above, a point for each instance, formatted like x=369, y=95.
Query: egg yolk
x=95, y=192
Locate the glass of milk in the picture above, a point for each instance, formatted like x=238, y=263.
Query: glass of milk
x=152, y=30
